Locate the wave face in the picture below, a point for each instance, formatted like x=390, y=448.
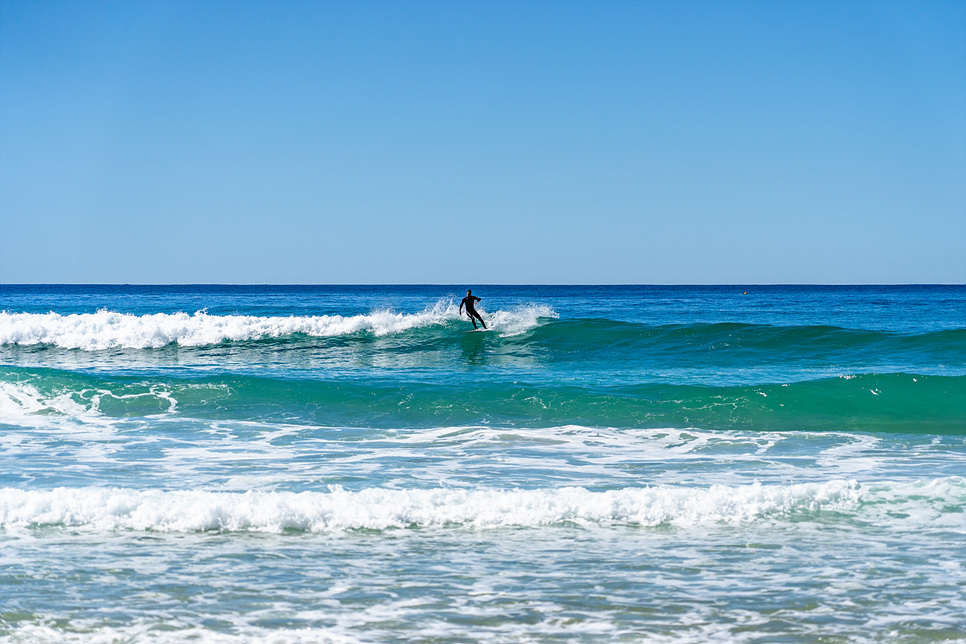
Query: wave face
x=867, y=402
x=112, y=330
x=351, y=464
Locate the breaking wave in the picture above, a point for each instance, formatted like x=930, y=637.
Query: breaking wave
x=382, y=509
x=110, y=330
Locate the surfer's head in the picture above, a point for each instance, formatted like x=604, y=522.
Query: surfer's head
x=469, y=292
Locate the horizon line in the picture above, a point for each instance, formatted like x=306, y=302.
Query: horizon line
x=477, y=284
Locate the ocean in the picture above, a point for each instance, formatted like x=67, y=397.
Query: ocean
x=343, y=464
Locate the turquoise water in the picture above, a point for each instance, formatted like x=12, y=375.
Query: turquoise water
x=607, y=464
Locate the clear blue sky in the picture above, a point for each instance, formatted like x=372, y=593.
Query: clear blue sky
x=483, y=142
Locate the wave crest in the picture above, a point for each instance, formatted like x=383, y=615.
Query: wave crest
x=110, y=330
x=381, y=509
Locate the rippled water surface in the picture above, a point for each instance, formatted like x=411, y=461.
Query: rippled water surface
x=606, y=464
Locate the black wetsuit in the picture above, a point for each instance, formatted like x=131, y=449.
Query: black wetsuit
x=471, y=310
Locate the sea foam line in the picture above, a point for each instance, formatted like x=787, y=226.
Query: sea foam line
x=26, y=633
x=381, y=509
x=109, y=329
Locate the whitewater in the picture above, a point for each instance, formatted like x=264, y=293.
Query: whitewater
x=107, y=329
x=608, y=464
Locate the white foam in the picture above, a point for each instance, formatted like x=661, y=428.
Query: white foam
x=518, y=320
x=148, y=633
x=108, y=329
x=22, y=404
x=381, y=508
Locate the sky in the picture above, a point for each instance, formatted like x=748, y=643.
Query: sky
x=471, y=142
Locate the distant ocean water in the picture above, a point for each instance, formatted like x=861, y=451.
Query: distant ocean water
x=607, y=464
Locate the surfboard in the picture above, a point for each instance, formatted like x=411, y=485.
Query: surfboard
x=477, y=330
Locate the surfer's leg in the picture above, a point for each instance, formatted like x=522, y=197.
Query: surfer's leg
x=480, y=318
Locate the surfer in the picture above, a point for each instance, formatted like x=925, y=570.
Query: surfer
x=470, y=309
